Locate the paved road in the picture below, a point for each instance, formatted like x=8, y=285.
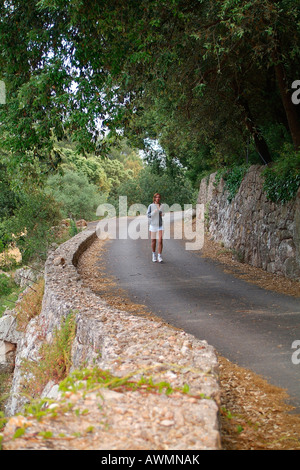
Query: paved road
x=250, y=326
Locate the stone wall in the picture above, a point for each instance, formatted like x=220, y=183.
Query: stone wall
x=117, y=341
x=260, y=232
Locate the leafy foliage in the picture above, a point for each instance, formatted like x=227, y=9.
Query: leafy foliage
x=174, y=190
x=5, y=236
x=8, y=197
x=209, y=81
x=32, y=224
x=233, y=178
x=282, y=181
x=206, y=68
x=76, y=197
x=6, y=285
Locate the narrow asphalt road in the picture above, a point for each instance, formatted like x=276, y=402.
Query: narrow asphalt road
x=248, y=325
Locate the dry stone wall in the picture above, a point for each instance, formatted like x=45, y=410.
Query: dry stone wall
x=123, y=344
x=260, y=232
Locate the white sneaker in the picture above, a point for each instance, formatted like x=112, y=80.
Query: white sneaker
x=154, y=259
x=159, y=258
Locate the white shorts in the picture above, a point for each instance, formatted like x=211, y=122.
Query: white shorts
x=155, y=229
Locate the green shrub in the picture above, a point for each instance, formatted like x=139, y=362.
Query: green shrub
x=5, y=236
x=6, y=285
x=282, y=180
x=73, y=230
x=233, y=178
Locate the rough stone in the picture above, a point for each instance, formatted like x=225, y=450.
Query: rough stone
x=9, y=338
x=126, y=345
x=7, y=356
x=26, y=276
x=258, y=231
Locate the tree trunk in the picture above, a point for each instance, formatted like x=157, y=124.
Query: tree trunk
x=260, y=143
x=289, y=106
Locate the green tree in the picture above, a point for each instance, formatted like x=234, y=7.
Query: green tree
x=92, y=167
x=8, y=197
x=216, y=71
x=76, y=197
x=33, y=224
x=140, y=190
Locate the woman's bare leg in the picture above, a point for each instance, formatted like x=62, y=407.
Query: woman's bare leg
x=153, y=241
x=160, y=241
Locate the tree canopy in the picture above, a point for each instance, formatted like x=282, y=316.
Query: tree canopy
x=205, y=78
x=88, y=82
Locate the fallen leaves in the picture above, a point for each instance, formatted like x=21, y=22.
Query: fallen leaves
x=254, y=414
